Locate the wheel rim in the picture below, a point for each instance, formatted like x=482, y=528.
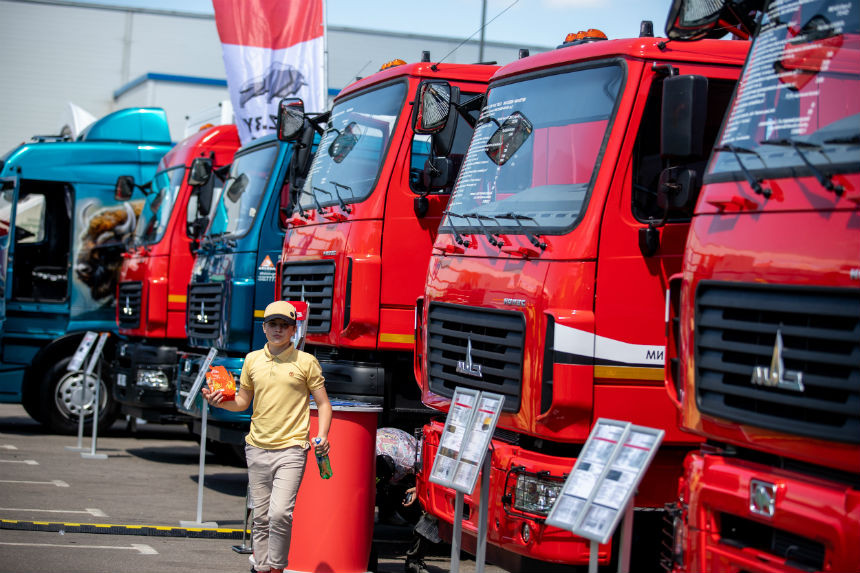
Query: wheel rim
x=76, y=392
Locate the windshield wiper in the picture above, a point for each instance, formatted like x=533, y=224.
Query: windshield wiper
x=339, y=198
x=825, y=179
x=736, y=151
x=314, y=197
x=532, y=238
x=843, y=140
x=460, y=240
x=490, y=236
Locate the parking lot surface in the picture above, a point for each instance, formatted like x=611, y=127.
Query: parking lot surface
x=62, y=512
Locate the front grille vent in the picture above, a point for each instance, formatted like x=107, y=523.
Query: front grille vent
x=494, y=340
x=130, y=302
x=738, y=327
x=797, y=551
x=203, y=319
x=314, y=283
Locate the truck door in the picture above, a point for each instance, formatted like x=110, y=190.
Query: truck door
x=631, y=283
x=8, y=200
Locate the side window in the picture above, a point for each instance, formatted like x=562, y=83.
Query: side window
x=647, y=163
x=420, y=151
x=42, y=228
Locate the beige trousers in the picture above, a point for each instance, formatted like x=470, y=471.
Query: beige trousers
x=274, y=477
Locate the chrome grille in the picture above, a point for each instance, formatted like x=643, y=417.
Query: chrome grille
x=737, y=327
x=314, y=283
x=203, y=318
x=130, y=302
x=494, y=340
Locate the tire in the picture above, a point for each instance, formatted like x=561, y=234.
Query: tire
x=59, y=398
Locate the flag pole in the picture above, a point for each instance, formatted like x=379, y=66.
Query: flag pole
x=325, y=56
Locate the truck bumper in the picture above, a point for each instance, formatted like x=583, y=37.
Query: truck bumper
x=745, y=516
x=144, y=381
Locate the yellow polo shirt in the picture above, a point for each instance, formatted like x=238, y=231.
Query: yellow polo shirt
x=281, y=385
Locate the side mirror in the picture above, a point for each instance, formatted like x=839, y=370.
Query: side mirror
x=691, y=20
x=345, y=142
x=438, y=173
x=433, y=108
x=678, y=189
x=685, y=109
x=291, y=118
x=236, y=187
x=508, y=138
x=124, y=188
x=197, y=227
x=200, y=171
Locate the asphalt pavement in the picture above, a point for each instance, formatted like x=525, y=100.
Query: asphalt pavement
x=60, y=511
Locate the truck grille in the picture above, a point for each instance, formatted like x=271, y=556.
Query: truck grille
x=737, y=329
x=313, y=283
x=203, y=319
x=130, y=300
x=495, y=340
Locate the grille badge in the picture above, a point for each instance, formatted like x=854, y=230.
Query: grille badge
x=202, y=318
x=762, y=498
x=777, y=376
x=467, y=366
x=127, y=310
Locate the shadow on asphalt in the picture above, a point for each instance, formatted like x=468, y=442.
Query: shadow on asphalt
x=227, y=483
x=183, y=455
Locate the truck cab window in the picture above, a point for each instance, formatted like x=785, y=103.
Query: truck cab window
x=42, y=227
x=647, y=162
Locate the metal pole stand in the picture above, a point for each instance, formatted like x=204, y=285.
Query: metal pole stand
x=200, y=476
x=94, y=360
x=78, y=398
x=244, y=547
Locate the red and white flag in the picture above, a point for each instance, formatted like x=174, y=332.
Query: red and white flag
x=272, y=49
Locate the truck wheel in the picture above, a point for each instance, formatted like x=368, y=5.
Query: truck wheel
x=63, y=398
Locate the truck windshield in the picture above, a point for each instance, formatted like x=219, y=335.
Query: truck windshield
x=352, y=150
x=158, y=205
x=243, y=190
x=535, y=152
x=796, y=110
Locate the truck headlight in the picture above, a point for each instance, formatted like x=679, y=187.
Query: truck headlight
x=536, y=493
x=155, y=379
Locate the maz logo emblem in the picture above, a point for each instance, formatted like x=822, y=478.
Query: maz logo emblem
x=467, y=366
x=777, y=376
x=127, y=310
x=202, y=316
x=762, y=498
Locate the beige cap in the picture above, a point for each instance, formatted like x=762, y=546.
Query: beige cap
x=280, y=309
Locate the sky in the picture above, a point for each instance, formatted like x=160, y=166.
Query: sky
x=525, y=22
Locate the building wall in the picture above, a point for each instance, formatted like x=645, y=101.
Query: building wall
x=57, y=51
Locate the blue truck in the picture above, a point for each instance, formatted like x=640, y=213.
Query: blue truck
x=62, y=236
x=233, y=278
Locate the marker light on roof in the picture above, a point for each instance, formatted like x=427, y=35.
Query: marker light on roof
x=392, y=64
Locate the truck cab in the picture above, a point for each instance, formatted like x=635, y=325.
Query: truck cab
x=547, y=280
x=366, y=218
x=233, y=277
x=64, y=234
x=763, y=321
x=153, y=285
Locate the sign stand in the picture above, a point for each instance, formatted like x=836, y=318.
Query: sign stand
x=94, y=360
x=189, y=400
x=462, y=455
x=244, y=547
x=599, y=491
x=78, y=397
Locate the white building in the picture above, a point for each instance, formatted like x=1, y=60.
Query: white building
x=100, y=59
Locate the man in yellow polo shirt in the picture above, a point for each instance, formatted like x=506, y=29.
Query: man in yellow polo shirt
x=278, y=379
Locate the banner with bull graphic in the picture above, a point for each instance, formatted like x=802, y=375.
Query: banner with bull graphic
x=272, y=49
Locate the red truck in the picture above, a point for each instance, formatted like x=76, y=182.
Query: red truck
x=763, y=351
x=360, y=236
x=152, y=291
x=548, y=276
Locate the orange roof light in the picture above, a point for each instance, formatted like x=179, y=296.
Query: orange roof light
x=392, y=64
x=584, y=36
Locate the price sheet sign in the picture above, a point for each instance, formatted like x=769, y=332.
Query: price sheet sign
x=465, y=439
x=604, y=478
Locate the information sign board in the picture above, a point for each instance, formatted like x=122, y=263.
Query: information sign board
x=81, y=353
x=457, y=424
x=604, y=479
x=201, y=376
x=477, y=442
